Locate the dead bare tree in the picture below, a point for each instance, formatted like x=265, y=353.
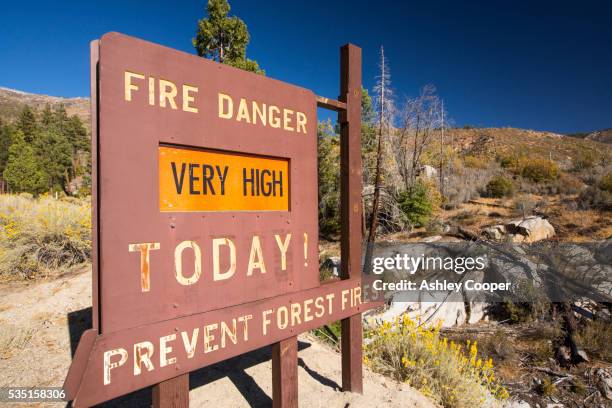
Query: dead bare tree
x=420, y=118
x=383, y=95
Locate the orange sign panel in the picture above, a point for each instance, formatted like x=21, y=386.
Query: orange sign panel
x=208, y=180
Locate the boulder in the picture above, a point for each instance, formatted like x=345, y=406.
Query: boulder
x=527, y=230
x=429, y=171
x=604, y=382
x=530, y=229
x=495, y=232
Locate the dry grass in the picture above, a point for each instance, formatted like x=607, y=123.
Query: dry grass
x=13, y=339
x=43, y=236
x=595, y=337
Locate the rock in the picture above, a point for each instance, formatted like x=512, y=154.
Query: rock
x=496, y=232
x=604, y=381
x=333, y=263
x=564, y=355
x=429, y=171
x=583, y=355
x=516, y=404
x=432, y=238
x=530, y=229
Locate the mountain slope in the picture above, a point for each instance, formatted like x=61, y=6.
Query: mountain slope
x=603, y=136
x=13, y=101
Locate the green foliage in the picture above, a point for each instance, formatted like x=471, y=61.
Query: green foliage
x=51, y=151
x=499, y=187
x=540, y=170
x=368, y=137
x=5, y=143
x=329, y=165
x=547, y=388
x=419, y=202
x=23, y=171
x=507, y=161
x=55, y=157
x=224, y=38
x=328, y=154
x=27, y=124
x=475, y=162
x=606, y=182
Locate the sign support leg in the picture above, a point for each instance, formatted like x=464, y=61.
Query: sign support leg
x=351, y=208
x=172, y=393
x=284, y=374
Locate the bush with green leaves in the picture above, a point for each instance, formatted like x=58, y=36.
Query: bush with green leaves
x=475, y=162
x=499, y=187
x=419, y=202
x=329, y=180
x=540, y=170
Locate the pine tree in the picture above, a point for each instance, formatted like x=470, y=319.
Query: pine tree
x=55, y=156
x=46, y=117
x=5, y=143
x=28, y=124
x=223, y=38
x=23, y=172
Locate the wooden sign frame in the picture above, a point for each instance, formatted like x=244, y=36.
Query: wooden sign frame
x=115, y=333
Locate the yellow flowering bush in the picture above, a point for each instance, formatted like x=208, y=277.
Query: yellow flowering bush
x=42, y=236
x=452, y=374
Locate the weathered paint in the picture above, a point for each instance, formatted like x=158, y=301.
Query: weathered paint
x=133, y=133
x=183, y=283
x=188, y=343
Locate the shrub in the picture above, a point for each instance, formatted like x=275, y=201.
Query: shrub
x=594, y=336
x=540, y=170
x=475, y=162
x=508, y=161
x=463, y=185
x=547, y=388
x=419, y=202
x=445, y=371
x=606, y=182
x=595, y=198
x=568, y=184
x=524, y=205
x=329, y=181
x=42, y=236
x=584, y=160
x=499, y=187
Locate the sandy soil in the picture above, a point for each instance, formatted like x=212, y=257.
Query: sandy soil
x=40, y=324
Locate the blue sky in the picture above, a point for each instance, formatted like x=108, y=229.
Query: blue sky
x=545, y=66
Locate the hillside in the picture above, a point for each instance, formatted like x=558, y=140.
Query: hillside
x=603, y=136
x=13, y=101
x=553, y=146
x=473, y=141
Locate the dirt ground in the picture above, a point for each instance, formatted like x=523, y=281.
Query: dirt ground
x=41, y=322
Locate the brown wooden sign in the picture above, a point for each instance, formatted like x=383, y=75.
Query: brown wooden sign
x=205, y=220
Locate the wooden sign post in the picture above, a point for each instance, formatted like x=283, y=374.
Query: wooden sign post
x=205, y=223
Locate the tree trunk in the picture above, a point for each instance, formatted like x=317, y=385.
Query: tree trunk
x=375, y=206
